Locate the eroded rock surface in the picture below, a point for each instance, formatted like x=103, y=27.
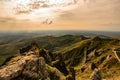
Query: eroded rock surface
x=29, y=67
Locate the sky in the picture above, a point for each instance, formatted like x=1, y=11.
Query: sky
x=100, y=15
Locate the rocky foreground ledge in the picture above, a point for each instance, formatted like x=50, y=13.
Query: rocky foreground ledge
x=29, y=67
x=35, y=63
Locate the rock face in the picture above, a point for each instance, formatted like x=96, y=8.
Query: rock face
x=95, y=75
x=35, y=63
x=29, y=67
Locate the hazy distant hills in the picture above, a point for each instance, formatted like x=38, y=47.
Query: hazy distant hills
x=59, y=33
x=48, y=42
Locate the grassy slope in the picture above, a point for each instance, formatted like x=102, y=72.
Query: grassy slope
x=48, y=42
x=105, y=59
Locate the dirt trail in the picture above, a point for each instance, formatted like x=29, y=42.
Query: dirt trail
x=118, y=58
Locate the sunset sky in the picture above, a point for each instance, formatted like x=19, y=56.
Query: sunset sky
x=102, y=15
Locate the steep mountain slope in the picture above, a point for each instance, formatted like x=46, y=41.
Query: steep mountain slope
x=92, y=50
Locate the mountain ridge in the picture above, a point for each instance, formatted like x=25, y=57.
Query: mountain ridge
x=78, y=52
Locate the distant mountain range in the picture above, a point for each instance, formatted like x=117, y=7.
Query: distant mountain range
x=59, y=33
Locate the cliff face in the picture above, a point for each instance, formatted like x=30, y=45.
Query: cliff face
x=29, y=67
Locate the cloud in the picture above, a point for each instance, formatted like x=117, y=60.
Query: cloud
x=92, y=14
x=6, y=19
x=29, y=6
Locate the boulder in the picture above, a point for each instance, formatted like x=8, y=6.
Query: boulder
x=29, y=67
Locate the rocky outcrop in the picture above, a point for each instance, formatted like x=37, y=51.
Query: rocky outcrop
x=35, y=63
x=29, y=67
x=96, y=75
x=55, y=74
x=60, y=64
